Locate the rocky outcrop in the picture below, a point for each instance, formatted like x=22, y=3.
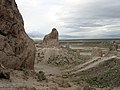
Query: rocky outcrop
x=51, y=40
x=96, y=52
x=113, y=50
x=56, y=56
x=113, y=46
x=17, y=50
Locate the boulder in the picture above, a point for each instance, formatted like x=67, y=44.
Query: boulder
x=17, y=50
x=41, y=76
x=51, y=40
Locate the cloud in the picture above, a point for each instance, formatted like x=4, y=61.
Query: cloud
x=39, y=14
x=72, y=18
x=98, y=17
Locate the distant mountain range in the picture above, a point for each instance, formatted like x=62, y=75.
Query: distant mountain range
x=40, y=35
x=35, y=34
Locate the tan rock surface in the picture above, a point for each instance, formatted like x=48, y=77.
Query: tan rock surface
x=17, y=50
x=55, y=56
x=51, y=40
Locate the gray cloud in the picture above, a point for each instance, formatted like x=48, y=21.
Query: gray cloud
x=72, y=18
x=100, y=14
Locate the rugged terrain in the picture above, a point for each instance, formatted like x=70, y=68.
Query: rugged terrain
x=52, y=65
x=100, y=71
x=84, y=73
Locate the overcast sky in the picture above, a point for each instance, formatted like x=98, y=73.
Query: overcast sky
x=72, y=18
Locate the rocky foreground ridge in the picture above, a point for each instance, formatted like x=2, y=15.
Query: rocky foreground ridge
x=17, y=50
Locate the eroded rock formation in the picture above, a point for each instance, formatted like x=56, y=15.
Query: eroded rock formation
x=17, y=50
x=96, y=52
x=58, y=56
x=51, y=40
x=113, y=46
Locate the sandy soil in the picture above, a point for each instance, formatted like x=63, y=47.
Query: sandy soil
x=48, y=69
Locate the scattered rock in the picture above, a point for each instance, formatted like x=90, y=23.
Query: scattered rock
x=17, y=50
x=41, y=76
x=51, y=40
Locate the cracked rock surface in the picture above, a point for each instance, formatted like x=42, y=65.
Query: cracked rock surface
x=17, y=50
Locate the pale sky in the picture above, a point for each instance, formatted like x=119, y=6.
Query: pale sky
x=72, y=18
